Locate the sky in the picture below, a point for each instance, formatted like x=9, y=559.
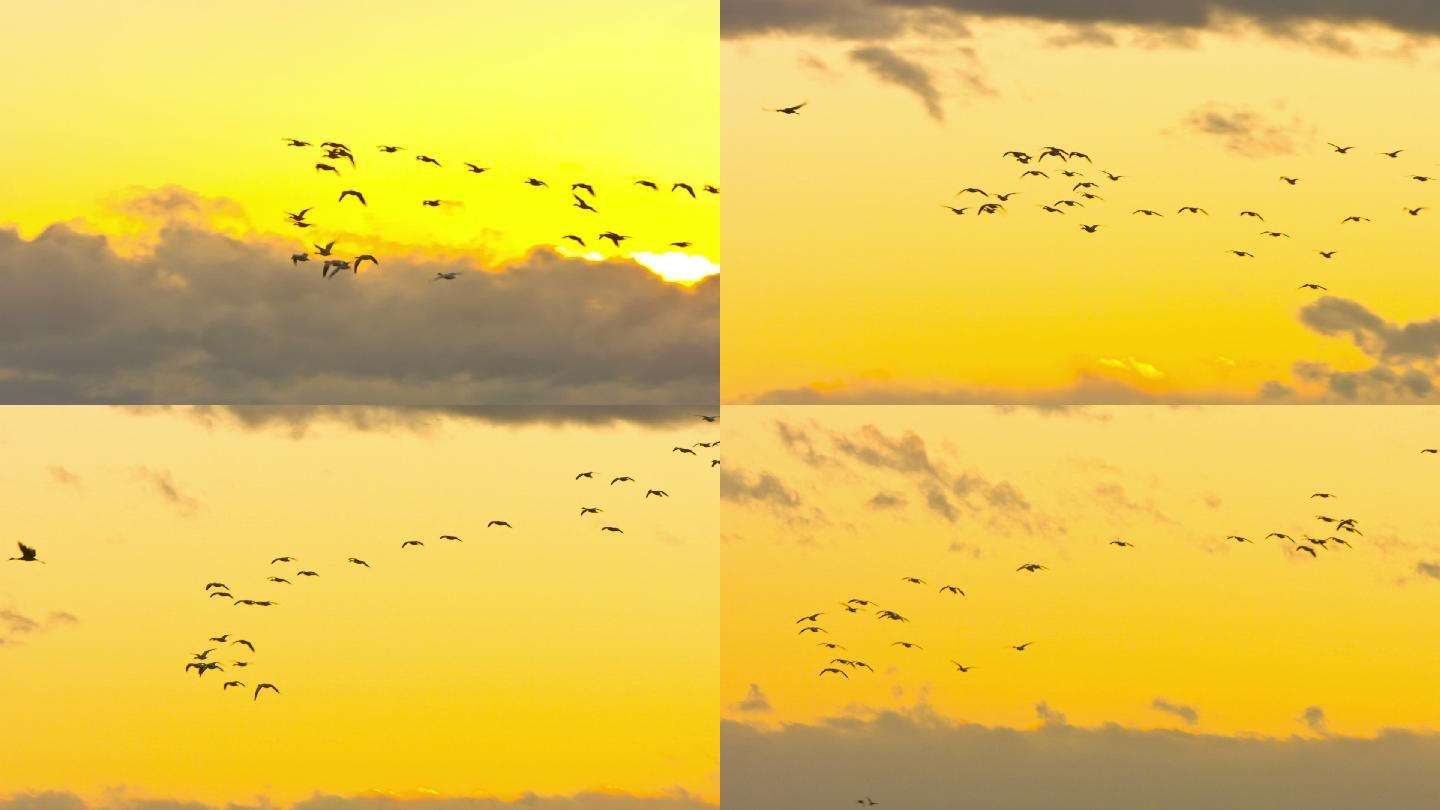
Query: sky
x=1187, y=650
x=172, y=129
x=549, y=660
x=835, y=222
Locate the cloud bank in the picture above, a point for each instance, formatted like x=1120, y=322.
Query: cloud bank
x=210, y=318
x=920, y=761
x=57, y=800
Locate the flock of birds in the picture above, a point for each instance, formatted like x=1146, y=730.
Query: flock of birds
x=1341, y=532
x=1083, y=189
x=336, y=154
x=291, y=573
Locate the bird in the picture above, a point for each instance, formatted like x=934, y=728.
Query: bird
x=650, y=184
x=427, y=159
x=450, y=537
x=221, y=638
x=1394, y=154
x=1420, y=178
x=535, y=182
x=961, y=211
x=229, y=684
x=280, y=580
x=961, y=666
x=1426, y=450
x=909, y=645
x=1354, y=218
x=811, y=628
x=226, y=594
x=685, y=187
x=614, y=237
x=971, y=190
x=1414, y=212
x=411, y=543
x=834, y=670
x=590, y=510
x=1020, y=156
x=326, y=167
x=1113, y=177
x=391, y=149
x=813, y=617
x=201, y=656
x=659, y=493
x=498, y=523
x=618, y=479
x=201, y=669
x=307, y=574
x=1243, y=254
x=296, y=142
x=1312, y=286
x=951, y=589
x=1021, y=647
x=1328, y=254
x=431, y=203
x=325, y=251
x=572, y=237
x=245, y=643
x=28, y=554
x=1274, y=234
x=473, y=169
x=791, y=110
x=583, y=205
x=1090, y=228
x=1147, y=212
x=709, y=418
x=1032, y=567
x=1280, y=535
x=1237, y=538
x=357, y=561
x=296, y=217
x=350, y=192
x=219, y=585
x=586, y=474
x=681, y=244
x=1192, y=209
x=989, y=208
x=1291, y=180
x=1034, y=173
x=611, y=529
x=1341, y=149
x=682, y=450
x=585, y=186
x=913, y=580
x=1306, y=549
x=364, y=257
x=1122, y=543
x=446, y=276
x=282, y=560
x=1252, y=214
x=891, y=615
x=296, y=258
x=270, y=686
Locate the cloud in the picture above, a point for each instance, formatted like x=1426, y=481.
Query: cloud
x=886, y=500
x=595, y=800
x=15, y=625
x=163, y=484
x=1406, y=357
x=1113, y=497
x=891, y=67
x=916, y=760
x=741, y=486
x=1180, y=710
x=1310, y=21
x=298, y=419
x=1087, y=390
x=754, y=701
x=1130, y=364
x=210, y=318
x=1247, y=132
x=64, y=477
x=1428, y=569
x=1049, y=717
x=1314, y=718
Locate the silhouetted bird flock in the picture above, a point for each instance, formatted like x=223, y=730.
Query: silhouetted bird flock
x=336, y=155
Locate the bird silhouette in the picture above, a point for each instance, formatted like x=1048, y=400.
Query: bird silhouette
x=27, y=554
x=262, y=686
x=791, y=110
x=350, y=192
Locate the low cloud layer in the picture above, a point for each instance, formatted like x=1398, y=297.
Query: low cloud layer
x=57, y=800
x=920, y=761
x=1406, y=357
x=211, y=318
x=299, y=419
x=881, y=19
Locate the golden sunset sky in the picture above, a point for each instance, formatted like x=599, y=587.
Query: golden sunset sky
x=852, y=282
x=549, y=658
x=160, y=93
x=825, y=504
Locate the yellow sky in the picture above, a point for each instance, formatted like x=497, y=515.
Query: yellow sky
x=1247, y=635
x=834, y=222
x=549, y=658
x=200, y=97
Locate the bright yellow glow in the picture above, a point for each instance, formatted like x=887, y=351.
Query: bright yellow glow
x=1250, y=635
x=201, y=97
x=551, y=658
x=834, y=222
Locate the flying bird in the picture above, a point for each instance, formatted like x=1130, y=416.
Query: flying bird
x=611, y=529
x=427, y=159
x=618, y=479
x=1341, y=149
x=498, y=523
x=411, y=543
x=659, y=493
x=792, y=110
x=350, y=192
x=357, y=561
x=1032, y=567
x=270, y=686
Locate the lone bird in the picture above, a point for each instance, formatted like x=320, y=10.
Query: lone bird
x=411, y=543
x=27, y=554
x=1032, y=567
x=1021, y=647
x=498, y=523
x=270, y=686
x=350, y=192
x=615, y=529
x=659, y=493
x=1312, y=286
x=1122, y=543
x=951, y=589
x=792, y=110
x=357, y=561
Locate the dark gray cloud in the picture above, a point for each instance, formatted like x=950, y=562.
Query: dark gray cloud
x=1314, y=719
x=1247, y=132
x=298, y=419
x=1186, y=713
x=15, y=625
x=1427, y=568
x=741, y=486
x=531, y=801
x=754, y=701
x=919, y=761
x=212, y=319
x=1406, y=356
x=882, y=19
x=162, y=484
x=887, y=500
x=889, y=66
